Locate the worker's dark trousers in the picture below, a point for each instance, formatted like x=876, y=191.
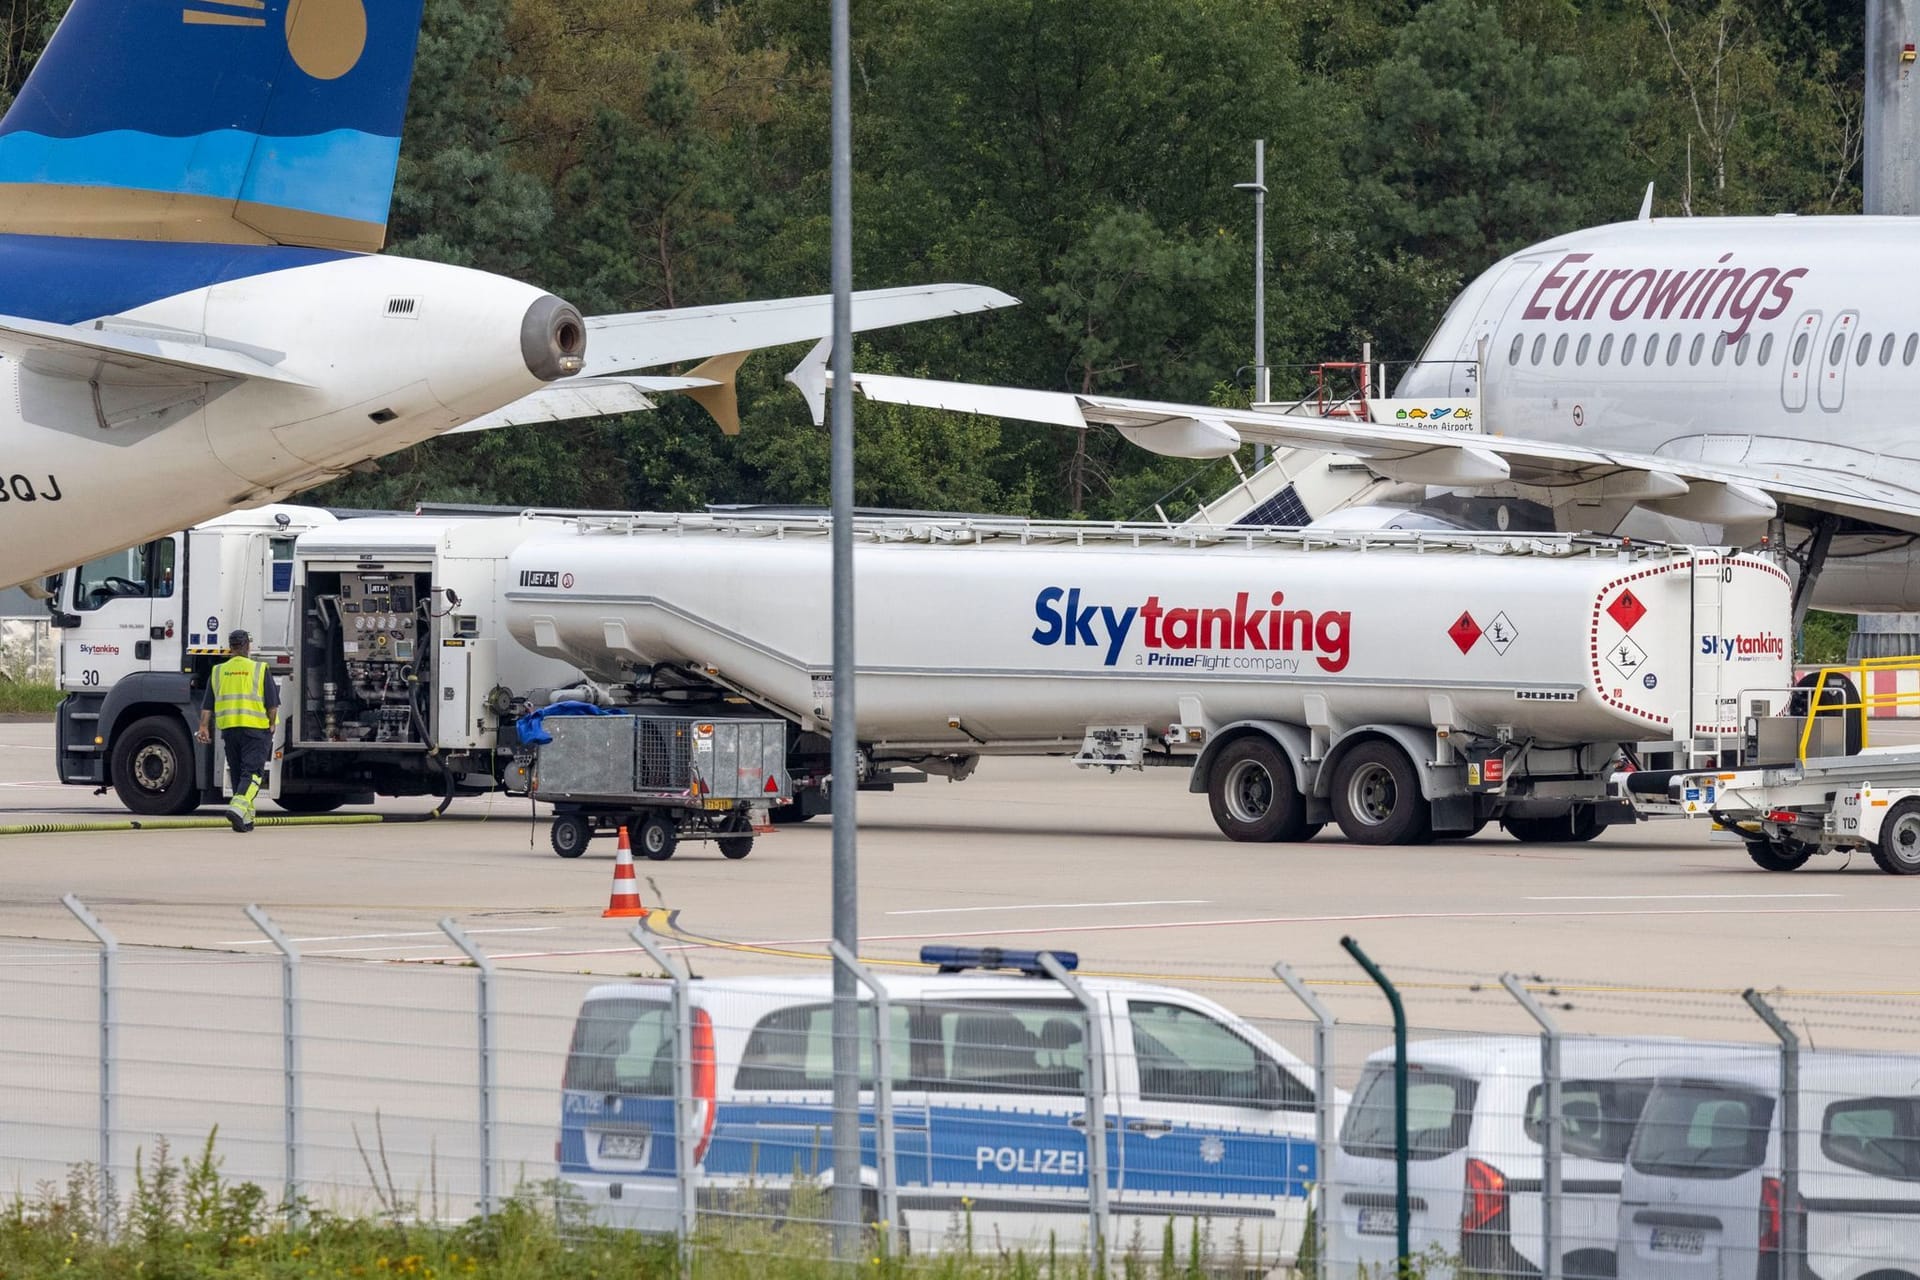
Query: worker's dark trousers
x=247, y=754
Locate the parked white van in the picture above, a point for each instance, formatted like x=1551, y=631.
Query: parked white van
x=1703, y=1195
x=1209, y=1122
x=1475, y=1111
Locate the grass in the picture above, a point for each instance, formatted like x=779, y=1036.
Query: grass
x=20, y=698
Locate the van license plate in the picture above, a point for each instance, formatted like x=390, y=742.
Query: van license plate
x=623, y=1146
x=1378, y=1222
x=1677, y=1240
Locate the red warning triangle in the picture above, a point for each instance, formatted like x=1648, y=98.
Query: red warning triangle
x=772, y=787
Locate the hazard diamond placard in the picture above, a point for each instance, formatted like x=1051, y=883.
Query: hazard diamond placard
x=1626, y=609
x=1464, y=632
x=1626, y=656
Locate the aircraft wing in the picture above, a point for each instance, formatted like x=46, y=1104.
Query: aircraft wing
x=646, y=339
x=580, y=397
x=119, y=358
x=1791, y=479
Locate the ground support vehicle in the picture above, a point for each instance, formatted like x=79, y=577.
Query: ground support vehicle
x=665, y=778
x=1832, y=792
x=1404, y=685
x=1206, y=1121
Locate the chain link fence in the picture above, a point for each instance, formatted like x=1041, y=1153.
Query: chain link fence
x=1230, y=1121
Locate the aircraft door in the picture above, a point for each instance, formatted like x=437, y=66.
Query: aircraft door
x=1468, y=374
x=126, y=604
x=1837, y=350
x=1800, y=359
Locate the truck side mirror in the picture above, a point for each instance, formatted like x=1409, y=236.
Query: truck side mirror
x=62, y=621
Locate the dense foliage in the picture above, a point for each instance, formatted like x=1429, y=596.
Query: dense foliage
x=1080, y=154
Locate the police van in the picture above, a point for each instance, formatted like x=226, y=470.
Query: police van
x=1208, y=1122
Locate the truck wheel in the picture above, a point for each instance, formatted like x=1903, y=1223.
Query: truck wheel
x=1779, y=855
x=310, y=803
x=1376, y=796
x=1898, y=850
x=570, y=835
x=1574, y=827
x=153, y=767
x=735, y=847
x=1252, y=795
x=655, y=838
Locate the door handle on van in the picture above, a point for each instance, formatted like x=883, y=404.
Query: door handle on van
x=1152, y=1128
x=1080, y=1122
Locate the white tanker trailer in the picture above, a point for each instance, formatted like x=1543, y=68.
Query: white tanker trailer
x=1403, y=685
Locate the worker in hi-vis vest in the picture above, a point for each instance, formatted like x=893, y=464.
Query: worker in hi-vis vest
x=244, y=702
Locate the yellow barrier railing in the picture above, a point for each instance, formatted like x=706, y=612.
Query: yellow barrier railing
x=1821, y=697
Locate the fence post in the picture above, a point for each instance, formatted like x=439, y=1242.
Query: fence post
x=289, y=1051
x=485, y=968
x=1792, y=1246
x=109, y=965
x=1401, y=1200
x=1323, y=1102
x=683, y=1170
x=1554, y=1126
x=1096, y=1110
x=884, y=1159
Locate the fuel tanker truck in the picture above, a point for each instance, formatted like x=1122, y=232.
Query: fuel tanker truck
x=1403, y=685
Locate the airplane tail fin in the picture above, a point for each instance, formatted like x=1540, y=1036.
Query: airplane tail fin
x=225, y=121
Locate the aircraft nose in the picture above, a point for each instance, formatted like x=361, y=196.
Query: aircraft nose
x=553, y=338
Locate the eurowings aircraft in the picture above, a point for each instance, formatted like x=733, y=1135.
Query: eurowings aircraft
x=1697, y=378
x=194, y=315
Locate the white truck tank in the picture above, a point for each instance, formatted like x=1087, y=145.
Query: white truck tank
x=981, y=633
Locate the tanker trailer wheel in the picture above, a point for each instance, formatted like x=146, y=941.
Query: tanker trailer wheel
x=1376, y=797
x=153, y=767
x=1576, y=826
x=1898, y=851
x=569, y=835
x=655, y=837
x=1779, y=855
x=1252, y=795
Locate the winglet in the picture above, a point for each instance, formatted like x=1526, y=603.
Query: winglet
x=1646, y=205
x=810, y=376
x=722, y=399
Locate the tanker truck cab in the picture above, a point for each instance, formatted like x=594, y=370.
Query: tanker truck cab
x=139, y=631
x=1208, y=1122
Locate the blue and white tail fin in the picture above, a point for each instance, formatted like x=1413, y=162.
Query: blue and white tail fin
x=230, y=121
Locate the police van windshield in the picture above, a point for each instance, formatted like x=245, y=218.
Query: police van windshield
x=1702, y=1131
x=1439, y=1114
x=622, y=1046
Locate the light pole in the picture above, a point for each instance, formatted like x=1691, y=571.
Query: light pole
x=1262, y=376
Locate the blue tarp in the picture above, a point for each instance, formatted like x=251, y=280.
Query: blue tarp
x=534, y=733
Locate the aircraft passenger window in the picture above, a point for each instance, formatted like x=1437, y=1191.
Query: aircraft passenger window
x=1606, y=347
x=1720, y=345
x=1740, y=350
x=1673, y=349
x=1580, y=352
x=1653, y=349
x=1539, y=346
x=1513, y=352
x=1626, y=348
x=1886, y=351
x=1560, y=349
x=1837, y=351
x=1699, y=345
x=1863, y=351
x=1912, y=348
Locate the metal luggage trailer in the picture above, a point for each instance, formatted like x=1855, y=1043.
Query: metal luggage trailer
x=666, y=778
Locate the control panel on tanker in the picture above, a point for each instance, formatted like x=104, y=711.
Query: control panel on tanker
x=365, y=673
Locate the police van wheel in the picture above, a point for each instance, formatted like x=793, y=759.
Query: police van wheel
x=655, y=838
x=1898, y=851
x=1376, y=797
x=570, y=835
x=153, y=767
x=1252, y=795
x=1779, y=855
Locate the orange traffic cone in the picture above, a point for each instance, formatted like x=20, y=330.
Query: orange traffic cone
x=626, y=890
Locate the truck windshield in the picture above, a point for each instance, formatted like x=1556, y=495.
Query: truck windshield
x=143, y=572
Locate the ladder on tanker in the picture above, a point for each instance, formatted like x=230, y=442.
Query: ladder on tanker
x=1710, y=697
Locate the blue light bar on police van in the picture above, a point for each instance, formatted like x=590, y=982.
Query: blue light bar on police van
x=961, y=959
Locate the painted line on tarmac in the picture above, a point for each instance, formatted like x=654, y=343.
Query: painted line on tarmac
x=1672, y=897
x=370, y=937
x=1055, y=906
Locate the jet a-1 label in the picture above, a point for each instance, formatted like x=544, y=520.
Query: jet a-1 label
x=539, y=577
x=19, y=488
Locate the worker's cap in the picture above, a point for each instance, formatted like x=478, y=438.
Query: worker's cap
x=239, y=636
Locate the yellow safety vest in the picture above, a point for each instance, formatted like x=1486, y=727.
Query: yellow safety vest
x=240, y=694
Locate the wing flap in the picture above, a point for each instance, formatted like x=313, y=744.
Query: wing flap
x=579, y=397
